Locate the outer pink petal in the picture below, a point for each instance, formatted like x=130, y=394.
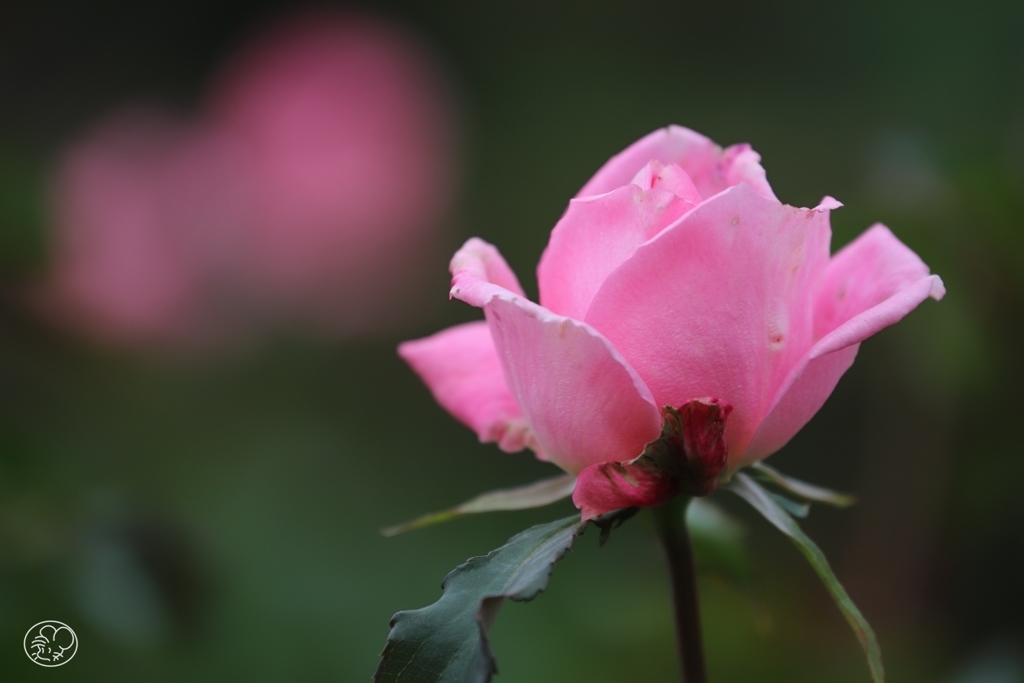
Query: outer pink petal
x=867, y=272
x=870, y=284
x=711, y=169
x=594, y=237
x=797, y=401
x=583, y=401
x=720, y=304
x=462, y=370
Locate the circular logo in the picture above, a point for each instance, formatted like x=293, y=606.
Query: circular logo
x=51, y=643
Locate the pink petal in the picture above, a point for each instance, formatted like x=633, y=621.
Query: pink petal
x=719, y=304
x=594, y=237
x=582, y=400
x=711, y=169
x=870, y=284
x=867, y=272
x=463, y=372
x=798, y=400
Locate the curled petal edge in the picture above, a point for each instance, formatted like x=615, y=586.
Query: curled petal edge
x=480, y=261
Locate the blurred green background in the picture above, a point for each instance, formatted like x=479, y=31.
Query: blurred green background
x=217, y=519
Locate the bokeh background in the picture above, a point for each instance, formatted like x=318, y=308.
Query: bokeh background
x=200, y=496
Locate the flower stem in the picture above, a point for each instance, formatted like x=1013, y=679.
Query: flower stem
x=670, y=520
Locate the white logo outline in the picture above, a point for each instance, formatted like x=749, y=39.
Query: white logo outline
x=43, y=644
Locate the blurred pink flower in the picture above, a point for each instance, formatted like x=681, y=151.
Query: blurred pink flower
x=689, y=324
x=324, y=152
x=350, y=144
x=139, y=205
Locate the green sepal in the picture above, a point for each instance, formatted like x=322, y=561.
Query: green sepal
x=801, y=489
x=765, y=503
x=794, y=508
x=446, y=642
x=535, y=495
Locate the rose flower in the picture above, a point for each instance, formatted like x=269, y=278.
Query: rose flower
x=689, y=324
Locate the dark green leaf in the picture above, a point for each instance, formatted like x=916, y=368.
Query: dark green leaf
x=801, y=489
x=447, y=641
x=762, y=501
x=535, y=495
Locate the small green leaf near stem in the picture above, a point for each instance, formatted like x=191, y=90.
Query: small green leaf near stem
x=801, y=489
x=537, y=494
x=762, y=501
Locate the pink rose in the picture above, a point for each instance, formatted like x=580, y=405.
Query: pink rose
x=322, y=150
x=350, y=133
x=689, y=324
x=142, y=206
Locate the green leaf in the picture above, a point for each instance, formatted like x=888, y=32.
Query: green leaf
x=535, y=495
x=801, y=489
x=447, y=642
x=762, y=501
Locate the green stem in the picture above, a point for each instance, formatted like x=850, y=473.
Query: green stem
x=670, y=520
